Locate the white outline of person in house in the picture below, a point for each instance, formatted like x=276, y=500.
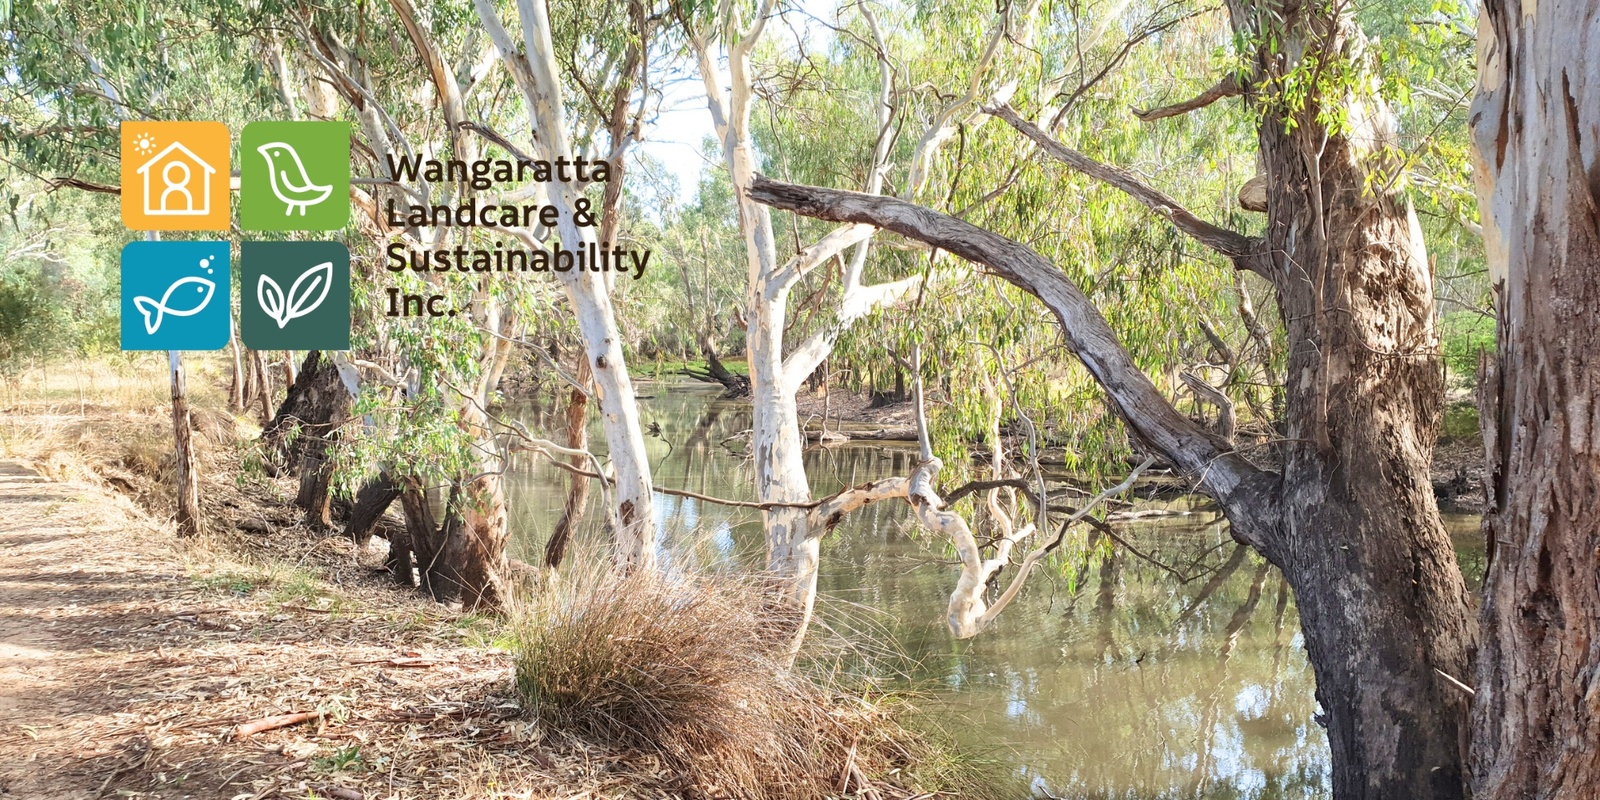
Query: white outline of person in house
x=176, y=180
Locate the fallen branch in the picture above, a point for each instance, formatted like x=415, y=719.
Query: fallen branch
x=338, y=793
x=274, y=723
x=411, y=662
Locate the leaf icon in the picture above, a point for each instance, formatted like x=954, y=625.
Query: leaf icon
x=270, y=297
x=309, y=290
x=305, y=294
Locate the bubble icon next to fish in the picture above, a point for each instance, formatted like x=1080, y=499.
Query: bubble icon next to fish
x=175, y=296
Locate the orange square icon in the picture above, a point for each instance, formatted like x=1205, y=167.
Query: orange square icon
x=175, y=176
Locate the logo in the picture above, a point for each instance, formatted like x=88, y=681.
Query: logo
x=306, y=294
x=294, y=176
x=296, y=296
x=175, y=176
x=175, y=296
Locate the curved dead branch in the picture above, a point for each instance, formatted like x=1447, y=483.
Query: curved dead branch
x=1247, y=493
x=1227, y=87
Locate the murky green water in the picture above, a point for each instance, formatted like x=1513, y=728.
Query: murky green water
x=1173, y=672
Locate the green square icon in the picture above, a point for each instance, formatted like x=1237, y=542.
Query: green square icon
x=294, y=176
x=294, y=295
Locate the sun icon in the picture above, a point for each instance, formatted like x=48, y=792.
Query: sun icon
x=145, y=143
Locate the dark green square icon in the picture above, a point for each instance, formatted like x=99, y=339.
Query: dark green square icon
x=294, y=295
x=294, y=176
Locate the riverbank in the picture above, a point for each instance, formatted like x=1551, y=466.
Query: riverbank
x=263, y=660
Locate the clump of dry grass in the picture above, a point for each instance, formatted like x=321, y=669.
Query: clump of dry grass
x=690, y=670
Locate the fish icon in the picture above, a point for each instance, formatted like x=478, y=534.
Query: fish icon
x=175, y=303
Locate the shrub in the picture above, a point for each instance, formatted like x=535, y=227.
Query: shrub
x=691, y=670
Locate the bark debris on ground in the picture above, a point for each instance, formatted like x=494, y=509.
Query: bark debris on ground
x=129, y=663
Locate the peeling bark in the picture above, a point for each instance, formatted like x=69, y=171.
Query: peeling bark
x=1536, y=126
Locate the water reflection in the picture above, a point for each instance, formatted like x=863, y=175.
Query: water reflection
x=1166, y=665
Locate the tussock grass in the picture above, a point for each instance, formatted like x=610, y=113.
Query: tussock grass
x=691, y=670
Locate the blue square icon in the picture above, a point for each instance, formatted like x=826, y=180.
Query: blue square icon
x=175, y=296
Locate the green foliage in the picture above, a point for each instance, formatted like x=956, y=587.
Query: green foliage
x=1461, y=421
x=1464, y=335
x=57, y=280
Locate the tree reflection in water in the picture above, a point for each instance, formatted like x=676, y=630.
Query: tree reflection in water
x=1114, y=675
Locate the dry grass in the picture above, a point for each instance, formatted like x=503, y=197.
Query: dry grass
x=690, y=669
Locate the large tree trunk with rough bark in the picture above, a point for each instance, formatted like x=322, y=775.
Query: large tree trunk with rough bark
x=366, y=511
x=1351, y=518
x=316, y=403
x=1536, y=126
x=475, y=545
x=1382, y=603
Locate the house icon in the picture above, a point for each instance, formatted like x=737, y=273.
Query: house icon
x=182, y=183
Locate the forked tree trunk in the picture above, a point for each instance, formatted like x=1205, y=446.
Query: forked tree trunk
x=1536, y=126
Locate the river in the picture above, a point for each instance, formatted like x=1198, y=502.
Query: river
x=1174, y=669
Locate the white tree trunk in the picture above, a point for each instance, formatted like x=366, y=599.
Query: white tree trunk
x=778, y=451
x=793, y=543
x=634, y=542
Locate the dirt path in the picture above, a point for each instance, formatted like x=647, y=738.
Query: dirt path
x=127, y=661
x=58, y=574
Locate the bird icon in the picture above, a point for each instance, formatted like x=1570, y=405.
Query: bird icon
x=289, y=179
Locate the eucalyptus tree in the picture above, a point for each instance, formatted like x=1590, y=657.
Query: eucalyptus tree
x=463, y=51
x=1348, y=514
x=1536, y=125
x=532, y=65
x=778, y=371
